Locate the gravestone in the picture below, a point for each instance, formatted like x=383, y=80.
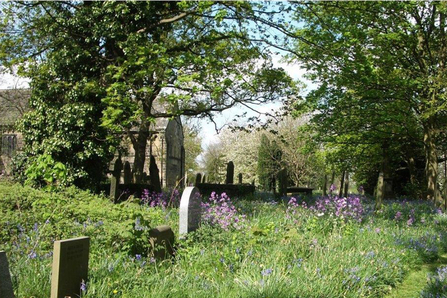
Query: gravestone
x=230, y=173
x=5, y=278
x=190, y=210
x=162, y=241
x=127, y=173
x=115, y=180
x=239, y=178
x=198, y=178
x=70, y=267
x=154, y=175
x=282, y=185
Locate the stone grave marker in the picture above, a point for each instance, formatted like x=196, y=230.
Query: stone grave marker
x=230, y=173
x=162, y=241
x=115, y=180
x=198, y=178
x=190, y=210
x=70, y=267
x=154, y=175
x=5, y=278
x=127, y=173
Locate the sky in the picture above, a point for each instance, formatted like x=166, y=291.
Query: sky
x=208, y=132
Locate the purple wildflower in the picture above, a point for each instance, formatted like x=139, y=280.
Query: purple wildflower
x=267, y=271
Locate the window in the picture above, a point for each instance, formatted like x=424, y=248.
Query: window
x=9, y=144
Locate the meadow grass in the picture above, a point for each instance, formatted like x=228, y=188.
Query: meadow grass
x=275, y=250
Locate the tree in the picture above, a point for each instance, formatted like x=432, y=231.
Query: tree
x=382, y=73
x=118, y=62
x=269, y=163
x=193, y=146
x=215, y=163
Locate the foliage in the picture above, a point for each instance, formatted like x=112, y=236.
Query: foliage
x=214, y=162
x=305, y=255
x=220, y=211
x=101, y=69
x=193, y=147
x=381, y=73
x=269, y=163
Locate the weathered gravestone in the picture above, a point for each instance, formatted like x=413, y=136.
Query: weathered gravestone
x=115, y=180
x=162, y=241
x=190, y=210
x=230, y=173
x=127, y=173
x=5, y=279
x=154, y=175
x=198, y=179
x=70, y=267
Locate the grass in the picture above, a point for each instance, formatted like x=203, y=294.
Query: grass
x=276, y=251
x=416, y=280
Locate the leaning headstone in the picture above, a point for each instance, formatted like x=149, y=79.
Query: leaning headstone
x=5, y=278
x=70, y=267
x=230, y=173
x=127, y=173
x=198, y=178
x=239, y=178
x=190, y=210
x=162, y=241
x=115, y=180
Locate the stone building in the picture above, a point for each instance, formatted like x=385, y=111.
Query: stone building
x=165, y=144
x=13, y=104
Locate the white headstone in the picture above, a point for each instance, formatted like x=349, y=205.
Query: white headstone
x=190, y=210
x=5, y=278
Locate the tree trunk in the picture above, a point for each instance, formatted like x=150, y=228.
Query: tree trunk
x=139, y=145
x=342, y=183
x=346, y=186
x=380, y=191
x=431, y=162
x=325, y=185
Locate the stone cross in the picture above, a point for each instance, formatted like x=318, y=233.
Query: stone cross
x=190, y=210
x=70, y=267
x=127, y=173
x=5, y=278
x=230, y=173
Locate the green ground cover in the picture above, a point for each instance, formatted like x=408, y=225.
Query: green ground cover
x=246, y=248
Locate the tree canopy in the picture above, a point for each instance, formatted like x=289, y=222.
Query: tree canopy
x=381, y=73
x=102, y=69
